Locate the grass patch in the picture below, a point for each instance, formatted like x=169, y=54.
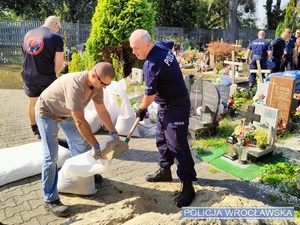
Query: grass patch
x=10, y=76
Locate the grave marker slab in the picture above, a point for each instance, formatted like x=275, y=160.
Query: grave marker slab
x=224, y=93
x=262, y=89
x=211, y=100
x=137, y=75
x=196, y=94
x=280, y=96
x=205, y=101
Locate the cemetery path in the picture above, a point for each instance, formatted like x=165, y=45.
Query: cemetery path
x=123, y=197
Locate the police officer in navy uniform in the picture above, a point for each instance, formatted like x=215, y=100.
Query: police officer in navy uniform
x=261, y=50
x=278, y=45
x=289, y=54
x=165, y=85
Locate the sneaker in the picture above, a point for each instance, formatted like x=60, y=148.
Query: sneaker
x=57, y=208
x=161, y=175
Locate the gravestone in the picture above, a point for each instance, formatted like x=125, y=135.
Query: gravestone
x=137, y=75
x=189, y=81
x=280, y=96
x=224, y=94
x=262, y=117
x=233, y=88
x=196, y=95
x=262, y=89
x=205, y=101
x=268, y=120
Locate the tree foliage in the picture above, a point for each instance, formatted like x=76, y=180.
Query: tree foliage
x=67, y=10
x=112, y=24
x=289, y=18
x=175, y=13
x=274, y=14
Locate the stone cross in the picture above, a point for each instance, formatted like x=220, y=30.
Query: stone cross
x=259, y=71
x=250, y=115
x=232, y=63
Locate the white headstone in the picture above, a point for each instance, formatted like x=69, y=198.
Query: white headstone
x=137, y=75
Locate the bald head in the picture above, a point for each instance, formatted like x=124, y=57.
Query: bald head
x=53, y=23
x=141, y=43
x=141, y=34
x=261, y=34
x=105, y=69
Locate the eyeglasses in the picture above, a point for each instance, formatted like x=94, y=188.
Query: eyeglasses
x=102, y=83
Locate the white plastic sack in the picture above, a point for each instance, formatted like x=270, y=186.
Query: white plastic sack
x=77, y=174
x=126, y=116
x=91, y=116
x=111, y=101
x=24, y=161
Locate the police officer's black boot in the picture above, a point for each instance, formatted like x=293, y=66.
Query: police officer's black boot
x=161, y=175
x=187, y=194
x=35, y=130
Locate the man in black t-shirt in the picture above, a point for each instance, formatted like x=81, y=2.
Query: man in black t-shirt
x=42, y=61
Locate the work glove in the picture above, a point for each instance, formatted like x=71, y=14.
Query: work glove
x=141, y=113
x=96, y=151
x=114, y=135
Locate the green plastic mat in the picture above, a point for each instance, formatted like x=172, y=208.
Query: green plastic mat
x=213, y=157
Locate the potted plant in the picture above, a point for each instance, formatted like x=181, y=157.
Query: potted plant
x=261, y=137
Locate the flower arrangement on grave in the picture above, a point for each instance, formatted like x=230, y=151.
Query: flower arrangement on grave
x=297, y=113
x=243, y=133
x=261, y=137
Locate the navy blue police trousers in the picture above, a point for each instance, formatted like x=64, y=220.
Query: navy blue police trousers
x=172, y=141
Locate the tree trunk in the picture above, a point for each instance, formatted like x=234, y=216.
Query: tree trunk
x=233, y=21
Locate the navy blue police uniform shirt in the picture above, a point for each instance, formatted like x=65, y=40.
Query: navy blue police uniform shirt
x=278, y=46
x=289, y=46
x=163, y=75
x=260, y=47
x=39, y=48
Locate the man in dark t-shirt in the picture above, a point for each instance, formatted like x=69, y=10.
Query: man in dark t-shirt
x=165, y=85
x=42, y=61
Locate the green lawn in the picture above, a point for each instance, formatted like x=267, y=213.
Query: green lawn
x=10, y=76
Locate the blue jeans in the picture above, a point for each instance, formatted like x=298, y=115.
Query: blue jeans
x=48, y=129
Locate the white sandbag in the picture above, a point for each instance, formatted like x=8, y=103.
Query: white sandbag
x=24, y=161
x=124, y=125
x=91, y=116
x=126, y=116
x=93, y=120
x=77, y=174
x=146, y=128
x=111, y=101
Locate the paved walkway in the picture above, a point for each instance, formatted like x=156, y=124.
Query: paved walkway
x=21, y=201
